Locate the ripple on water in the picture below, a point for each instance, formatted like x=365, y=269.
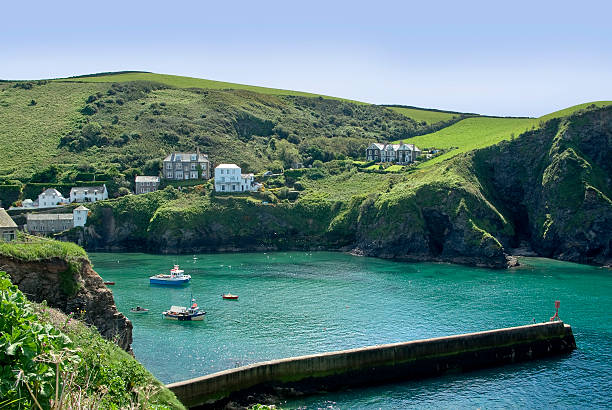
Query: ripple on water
x=301, y=303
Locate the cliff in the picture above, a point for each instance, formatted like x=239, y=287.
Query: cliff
x=548, y=189
x=72, y=286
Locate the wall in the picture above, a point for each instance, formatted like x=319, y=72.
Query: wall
x=376, y=364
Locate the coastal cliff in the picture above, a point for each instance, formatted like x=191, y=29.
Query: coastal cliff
x=69, y=284
x=547, y=189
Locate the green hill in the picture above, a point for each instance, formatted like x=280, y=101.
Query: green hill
x=426, y=115
x=479, y=132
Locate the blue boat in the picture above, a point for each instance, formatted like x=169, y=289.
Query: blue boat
x=176, y=277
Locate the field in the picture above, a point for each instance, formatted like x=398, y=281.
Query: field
x=429, y=117
x=479, y=132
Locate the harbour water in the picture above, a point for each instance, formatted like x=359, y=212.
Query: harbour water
x=299, y=303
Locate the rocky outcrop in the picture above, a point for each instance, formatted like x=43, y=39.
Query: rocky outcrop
x=72, y=287
x=547, y=191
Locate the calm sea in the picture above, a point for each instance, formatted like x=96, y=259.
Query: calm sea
x=298, y=303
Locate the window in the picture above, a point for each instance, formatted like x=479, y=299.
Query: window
x=193, y=167
x=222, y=187
x=169, y=174
x=168, y=165
x=194, y=157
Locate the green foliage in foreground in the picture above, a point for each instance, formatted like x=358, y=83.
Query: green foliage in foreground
x=37, y=344
x=30, y=248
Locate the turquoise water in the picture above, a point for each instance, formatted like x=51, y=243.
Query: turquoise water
x=301, y=303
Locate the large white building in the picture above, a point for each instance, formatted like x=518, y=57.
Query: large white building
x=229, y=178
x=50, y=198
x=88, y=194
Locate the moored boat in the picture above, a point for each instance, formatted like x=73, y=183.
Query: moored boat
x=176, y=277
x=182, y=313
x=139, y=309
x=109, y=282
x=229, y=296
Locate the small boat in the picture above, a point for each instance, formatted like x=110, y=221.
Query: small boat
x=229, y=296
x=176, y=277
x=108, y=282
x=139, y=309
x=181, y=313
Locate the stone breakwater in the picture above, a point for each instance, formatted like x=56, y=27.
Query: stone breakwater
x=375, y=364
x=72, y=287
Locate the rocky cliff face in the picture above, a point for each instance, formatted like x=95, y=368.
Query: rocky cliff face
x=72, y=287
x=549, y=190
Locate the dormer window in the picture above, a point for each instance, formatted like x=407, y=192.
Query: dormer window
x=194, y=157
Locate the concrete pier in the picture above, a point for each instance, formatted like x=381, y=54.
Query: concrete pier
x=378, y=364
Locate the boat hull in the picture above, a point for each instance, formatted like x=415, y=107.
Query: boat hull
x=168, y=282
x=185, y=318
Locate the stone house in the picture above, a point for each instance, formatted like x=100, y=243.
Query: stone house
x=186, y=165
x=145, y=184
x=399, y=153
x=52, y=223
x=8, y=227
x=229, y=178
x=88, y=194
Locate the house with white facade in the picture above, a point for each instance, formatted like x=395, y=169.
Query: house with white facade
x=52, y=223
x=88, y=194
x=50, y=198
x=229, y=178
x=398, y=153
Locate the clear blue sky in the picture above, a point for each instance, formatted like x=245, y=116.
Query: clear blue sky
x=510, y=58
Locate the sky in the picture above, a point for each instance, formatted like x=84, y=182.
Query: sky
x=520, y=58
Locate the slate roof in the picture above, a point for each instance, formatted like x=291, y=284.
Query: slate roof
x=185, y=157
x=225, y=166
x=146, y=178
x=5, y=220
x=52, y=191
x=81, y=208
x=48, y=217
x=86, y=189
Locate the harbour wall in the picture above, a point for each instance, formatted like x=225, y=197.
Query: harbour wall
x=377, y=364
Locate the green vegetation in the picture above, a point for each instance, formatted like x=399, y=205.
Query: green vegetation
x=177, y=81
x=479, y=132
x=30, y=248
x=47, y=357
x=427, y=116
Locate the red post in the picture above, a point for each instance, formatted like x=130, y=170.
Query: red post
x=556, y=316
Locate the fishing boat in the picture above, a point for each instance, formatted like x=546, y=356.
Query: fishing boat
x=139, y=309
x=182, y=313
x=176, y=277
x=229, y=296
x=109, y=282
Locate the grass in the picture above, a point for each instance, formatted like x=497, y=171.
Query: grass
x=178, y=81
x=30, y=248
x=429, y=117
x=30, y=134
x=479, y=132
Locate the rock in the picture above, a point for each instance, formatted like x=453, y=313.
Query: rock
x=72, y=287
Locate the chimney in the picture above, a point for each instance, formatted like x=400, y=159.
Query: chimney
x=198, y=152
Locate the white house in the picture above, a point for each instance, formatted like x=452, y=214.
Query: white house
x=88, y=194
x=51, y=198
x=229, y=178
x=79, y=215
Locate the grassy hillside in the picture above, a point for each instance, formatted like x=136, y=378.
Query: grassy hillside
x=479, y=132
x=177, y=81
x=427, y=116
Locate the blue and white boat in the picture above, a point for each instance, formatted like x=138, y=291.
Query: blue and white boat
x=176, y=277
x=181, y=313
